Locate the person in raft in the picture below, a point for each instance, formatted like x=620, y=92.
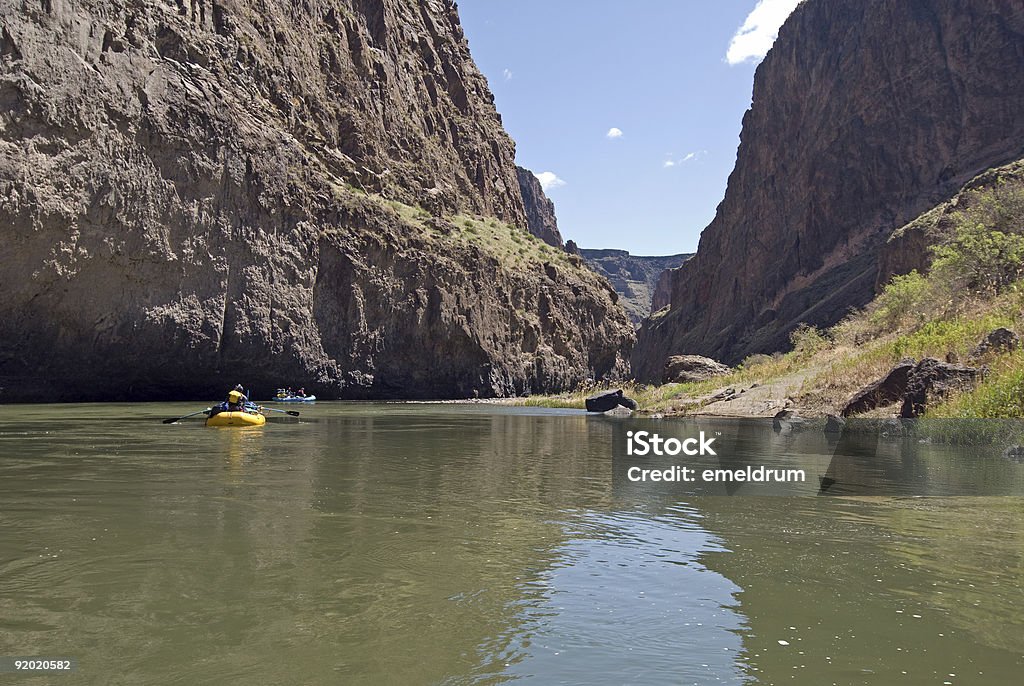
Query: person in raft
x=235, y=403
x=237, y=399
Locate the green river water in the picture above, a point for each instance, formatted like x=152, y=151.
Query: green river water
x=470, y=544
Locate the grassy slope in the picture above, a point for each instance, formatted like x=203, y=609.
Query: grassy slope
x=974, y=286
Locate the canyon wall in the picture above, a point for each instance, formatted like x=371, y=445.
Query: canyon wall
x=864, y=114
x=540, y=211
x=195, y=194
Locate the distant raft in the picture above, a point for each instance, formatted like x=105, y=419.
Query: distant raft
x=283, y=396
x=236, y=419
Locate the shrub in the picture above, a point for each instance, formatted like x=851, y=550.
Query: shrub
x=979, y=260
x=808, y=340
x=756, y=360
x=999, y=396
x=906, y=297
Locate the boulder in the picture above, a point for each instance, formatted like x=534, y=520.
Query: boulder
x=834, y=424
x=727, y=394
x=686, y=368
x=930, y=378
x=609, y=400
x=999, y=340
x=888, y=389
x=786, y=421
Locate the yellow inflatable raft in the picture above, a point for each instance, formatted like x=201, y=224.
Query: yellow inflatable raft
x=236, y=419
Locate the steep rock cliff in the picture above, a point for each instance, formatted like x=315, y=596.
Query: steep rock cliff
x=201, y=193
x=634, y=277
x=864, y=114
x=540, y=211
x=662, y=295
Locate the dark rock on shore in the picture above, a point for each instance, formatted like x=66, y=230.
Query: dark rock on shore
x=884, y=391
x=914, y=384
x=933, y=378
x=609, y=400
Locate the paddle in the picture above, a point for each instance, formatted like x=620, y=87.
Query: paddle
x=293, y=413
x=178, y=419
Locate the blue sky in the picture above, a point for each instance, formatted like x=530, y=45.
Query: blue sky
x=630, y=112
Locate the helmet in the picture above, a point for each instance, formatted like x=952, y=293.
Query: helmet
x=234, y=397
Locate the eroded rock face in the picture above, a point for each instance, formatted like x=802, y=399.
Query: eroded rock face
x=540, y=211
x=688, y=368
x=197, y=194
x=865, y=113
x=662, y=296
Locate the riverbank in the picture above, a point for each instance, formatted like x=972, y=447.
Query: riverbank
x=946, y=340
x=825, y=370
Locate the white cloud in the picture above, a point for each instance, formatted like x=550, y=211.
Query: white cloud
x=754, y=39
x=507, y=74
x=614, y=133
x=688, y=157
x=549, y=180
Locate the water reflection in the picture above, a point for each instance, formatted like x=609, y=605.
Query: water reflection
x=370, y=544
x=870, y=591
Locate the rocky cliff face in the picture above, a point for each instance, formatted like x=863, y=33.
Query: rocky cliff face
x=864, y=114
x=540, y=211
x=201, y=193
x=634, y=277
x=662, y=295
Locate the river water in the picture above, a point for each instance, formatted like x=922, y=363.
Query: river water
x=471, y=544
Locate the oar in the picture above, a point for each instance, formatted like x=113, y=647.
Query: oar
x=293, y=413
x=178, y=419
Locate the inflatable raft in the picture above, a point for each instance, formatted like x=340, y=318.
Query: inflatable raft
x=236, y=419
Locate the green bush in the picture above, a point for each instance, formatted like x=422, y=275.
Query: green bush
x=906, y=297
x=1000, y=396
x=999, y=207
x=756, y=360
x=979, y=260
x=808, y=340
